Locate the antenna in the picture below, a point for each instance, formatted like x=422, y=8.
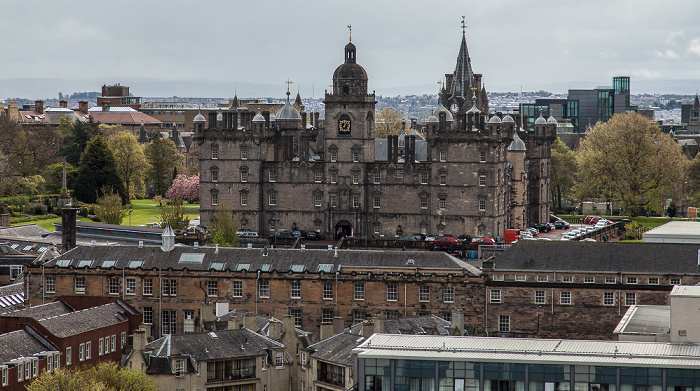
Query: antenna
x=464, y=26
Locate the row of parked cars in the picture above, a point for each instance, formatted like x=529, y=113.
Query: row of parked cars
x=593, y=223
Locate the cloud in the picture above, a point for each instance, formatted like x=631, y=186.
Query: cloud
x=667, y=54
x=645, y=73
x=694, y=46
x=672, y=36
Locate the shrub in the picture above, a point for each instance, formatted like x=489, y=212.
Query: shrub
x=37, y=209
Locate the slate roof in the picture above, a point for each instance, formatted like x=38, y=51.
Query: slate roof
x=432, y=325
x=262, y=322
x=85, y=320
x=21, y=343
x=600, y=257
x=213, y=345
x=237, y=259
x=338, y=348
x=123, y=118
x=42, y=311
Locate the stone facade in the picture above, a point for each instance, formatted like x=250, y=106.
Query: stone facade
x=450, y=174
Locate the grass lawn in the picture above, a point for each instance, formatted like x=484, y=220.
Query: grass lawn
x=143, y=211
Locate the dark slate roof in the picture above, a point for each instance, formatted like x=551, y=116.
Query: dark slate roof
x=262, y=321
x=42, y=311
x=600, y=257
x=430, y=325
x=234, y=259
x=85, y=320
x=21, y=343
x=213, y=345
x=338, y=348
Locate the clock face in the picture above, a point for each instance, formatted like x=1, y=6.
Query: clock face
x=454, y=108
x=344, y=126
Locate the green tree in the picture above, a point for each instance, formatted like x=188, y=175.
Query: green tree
x=109, y=207
x=562, y=171
x=223, y=226
x=174, y=214
x=671, y=210
x=54, y=177
x=97, y=171
x=630, y=159
x=387, y=123
x=163, y=157
x=104, y=376
x=76, y=135
x=130, y=161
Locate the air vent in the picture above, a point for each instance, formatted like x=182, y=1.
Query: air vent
x=411, y=261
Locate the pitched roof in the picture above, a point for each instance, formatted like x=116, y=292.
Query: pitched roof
x=238, y=259
x=213, y=345
x=338, y=348
x=21, y=343
x=42, y=311
x=124, y=118
x=600, y=257
x=12, y=296
x=431, y=324
x=85, y=320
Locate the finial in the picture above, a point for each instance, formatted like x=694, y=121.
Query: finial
x=350, y=27
x=288, y=83
x=440, y=86
x=464, y=26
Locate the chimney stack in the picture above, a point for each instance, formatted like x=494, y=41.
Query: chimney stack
x=63, y=103
x=233, y=323
x=83, y=106
x=68, y=230
x=367, y=328
x=13, y=111
x=39, y=106
x=326, y=331
x=338, y=325
x=379, y=323
x=458, y=320
x=139, y=339
x=249, y=322
x=274, y=330
x=288, y=324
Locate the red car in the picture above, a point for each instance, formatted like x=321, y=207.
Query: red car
x=590, y=219
x=484, y=241
x=445, y=241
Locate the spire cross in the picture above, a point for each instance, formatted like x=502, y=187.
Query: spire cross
x=440, y=84
x=350, y=27
x=464, y=25
x=288, y=83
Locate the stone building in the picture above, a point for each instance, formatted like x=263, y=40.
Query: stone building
x=580, y=290
x=169, y=284
x=450, y=174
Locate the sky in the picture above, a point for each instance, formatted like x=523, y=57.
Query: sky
x=218, y=48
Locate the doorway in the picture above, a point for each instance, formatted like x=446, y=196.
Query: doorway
x=343, y=229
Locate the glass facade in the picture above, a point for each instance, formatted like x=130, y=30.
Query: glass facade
x=429, y=375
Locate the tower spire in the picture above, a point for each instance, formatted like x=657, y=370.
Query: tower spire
x=350, y=28
x=463, y=76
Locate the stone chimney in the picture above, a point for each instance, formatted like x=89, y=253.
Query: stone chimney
x=288, y=324
x=378, y=321
x=83, y=106
x=274, y=330
x=367, y=328
x=140, y=339
x=249, y=322
x=338, y=325
x=326, y=331
x=63, y=103
x=13, y=111
x=233, y=323
x=39, y=106
x=458, y=320
x=68, y=230
x=207, y=313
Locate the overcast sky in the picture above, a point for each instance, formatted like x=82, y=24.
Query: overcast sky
x=215, y=48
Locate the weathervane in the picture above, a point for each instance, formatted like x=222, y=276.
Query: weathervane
x=464, y=25
x=350, y=27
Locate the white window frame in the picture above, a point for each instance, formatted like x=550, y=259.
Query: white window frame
x=633, y=300
x=392, y=292
x=448, y=294
x=295, y=289
x=359, y=291
x=88, y=350
x=565, y=298
x=130, y=286
x=80, y=285
x=237, y=288
x=540, y=297
x=50, y=284
x=328, y=293
x=264, y=289
x=504, y=323
x=495, y=296
x=424, y=293
x=608, y=298
x=69, y=354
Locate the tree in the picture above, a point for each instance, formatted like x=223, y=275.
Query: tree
x=54, y=177
x=223, y=226
x=671, y=210
x=185, y=187
x=174, y=214
x=104, y=376
x=562, y=171
x=163, y=157
x=76, y=135
x=388, y=122
x=130, y=161
x=109, y=207
x=630, y=159
x=97, y=171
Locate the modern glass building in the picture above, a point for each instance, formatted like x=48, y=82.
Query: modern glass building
x=442, y=363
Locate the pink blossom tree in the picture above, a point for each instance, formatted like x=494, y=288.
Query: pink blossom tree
x=185, y=187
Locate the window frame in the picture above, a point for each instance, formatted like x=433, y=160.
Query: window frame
x=359, y=291
x=423, y=293
x=237, y=288
x=495, y=296
x=565, y=298
x=264, y=289
x=80, y=285
x=633, y=297
x=328, y=293
x=295, y=290
x=392, y=292
x=448, y=294
x=540, y=297
x=50, y=284
x=212, y=288
x=608, y=299
x=130, y=288
x=504, y=323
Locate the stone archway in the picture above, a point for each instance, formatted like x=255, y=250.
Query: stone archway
x=343, y=229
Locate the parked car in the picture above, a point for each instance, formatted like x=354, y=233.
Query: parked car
x=282, y=234
x=525, y=235
x=602, y=223
x=430, y=238
x=569, y=236
x=484, y=241
x=543, y=227
x=533, y=231
x=445, y=241
x=561, y=224
x=312, y=235
x=248, y=234
x=299, y=234
x=367, y=237
x=589, y=219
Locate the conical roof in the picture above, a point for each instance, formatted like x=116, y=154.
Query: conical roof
x=463, y=76
x=440, y=108
x=696, y=102
x=258, y=118
x=540, y=120
x=288, y=112
x=199, y=117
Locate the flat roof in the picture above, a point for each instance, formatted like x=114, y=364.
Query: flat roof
x=645, y=320
x=674, y=232
x=530, y=351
